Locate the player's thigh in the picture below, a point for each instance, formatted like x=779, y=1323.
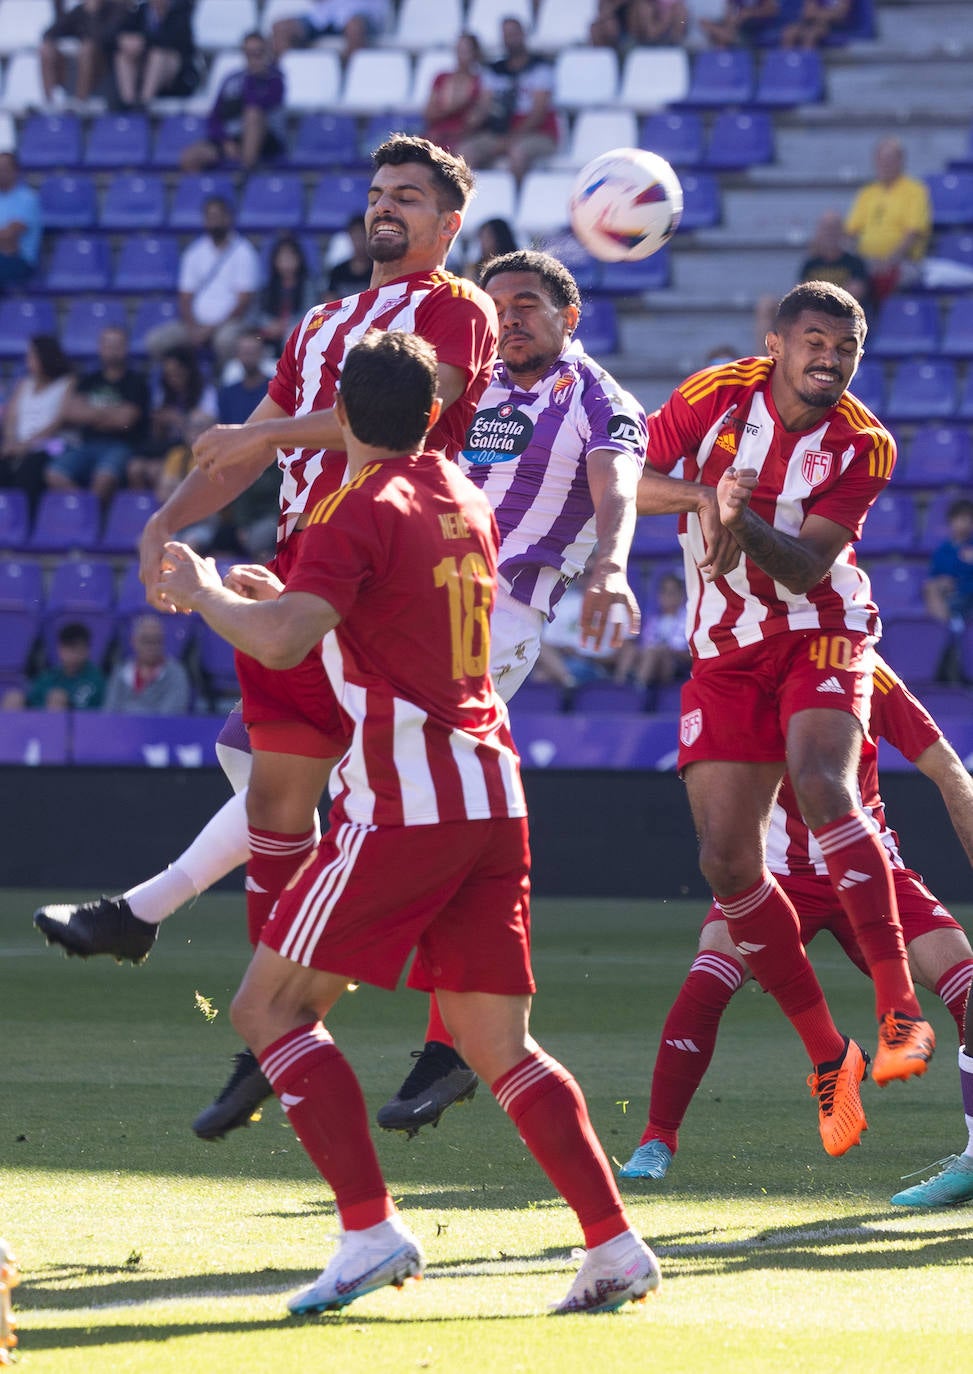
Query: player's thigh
x=284, y=790
x=731, y=804
x=490, y=1030
x=278, y=995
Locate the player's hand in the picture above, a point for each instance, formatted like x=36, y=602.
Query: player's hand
x=609, y=612
x=253, y=581
x=151, y=545
x=733, y=492
x=722, y=550
x=222, y=447
x=183, y=575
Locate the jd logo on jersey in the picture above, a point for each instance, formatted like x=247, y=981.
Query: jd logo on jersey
x=497, y=435
x=626, y=431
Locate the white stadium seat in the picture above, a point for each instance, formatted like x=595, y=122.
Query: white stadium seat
x=585, y=76
x=22, y=89
x=485, y=17
x=22, y=22
x=543, y=207
x=560, y=23
x=653, y=78
x=495, y=198
x=377, y=79
x=312, y=78
x=423, y=23
x=221, y=23
x=599, y=131
x=428, y=66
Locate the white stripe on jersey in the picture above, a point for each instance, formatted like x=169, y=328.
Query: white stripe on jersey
x=311, y=918
x=416, y=786
x=472, y=781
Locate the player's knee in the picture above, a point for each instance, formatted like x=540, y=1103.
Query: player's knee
x=728, y=873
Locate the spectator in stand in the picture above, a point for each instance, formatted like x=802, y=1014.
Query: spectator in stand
x=639, y=23
x=948, y=590
x=454, y=95
x=155, y=53
x=890, y=222
x=288, y=294
x=218, y=277
x=494, y=237
x=93, y=25
x=741, y=23
x=183, y=405
x=354, y=274
x=831, y=260
x=253, y=516
x=75, y=684
x=816, y=21
x=566, y=658
x=20, y=224
x=236, y=401
x=514, y=117
x=661, y=653
x=358, y=22
x=247, y=124
x=33, y=420
x=110, y=408
x=150, y=683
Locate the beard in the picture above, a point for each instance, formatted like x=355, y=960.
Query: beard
x=529, y=365
x=387, y=250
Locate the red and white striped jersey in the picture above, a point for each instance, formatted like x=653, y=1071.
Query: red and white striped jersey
x=456, y=317
x=897, y=717
x=406, y=553
x=725, y=416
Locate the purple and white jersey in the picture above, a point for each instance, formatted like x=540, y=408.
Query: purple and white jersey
x=527, y=452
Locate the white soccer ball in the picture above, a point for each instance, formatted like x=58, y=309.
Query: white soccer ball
x=625, y=205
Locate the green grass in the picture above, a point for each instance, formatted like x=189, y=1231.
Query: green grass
x=144, y=1249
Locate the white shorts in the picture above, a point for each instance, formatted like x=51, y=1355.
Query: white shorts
x=515, y=642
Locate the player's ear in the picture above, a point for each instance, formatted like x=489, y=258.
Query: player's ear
x=435, y=410
x=453, y=223
x=571, y=315
x=772, y=343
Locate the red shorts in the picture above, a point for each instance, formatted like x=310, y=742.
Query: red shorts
x=457, y=893
x=736, y=707
x=819, y=909
x=301, y=694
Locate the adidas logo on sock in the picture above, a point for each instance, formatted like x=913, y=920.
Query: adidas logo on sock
x=688, y=1045
x=251, y=885
x=831, y=684
x=852, y=878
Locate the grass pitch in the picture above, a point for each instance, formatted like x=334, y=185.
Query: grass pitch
x=144, y=1249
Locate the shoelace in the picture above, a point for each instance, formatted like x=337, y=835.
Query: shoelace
x=824, y=1086
x=897, y=1027
x=946, y=1159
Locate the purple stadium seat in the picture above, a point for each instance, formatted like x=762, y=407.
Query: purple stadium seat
x=938, y=456
x=147, y=262
x=18, y=635
x=701, y=201
x=125, y=521
x=325, y=140
x=537, y=696
x=585, y=269
x=957, y=341
x=81, y=585
x=335, y=199
x=868, y=385
x=134, y=200
x=150, y=313
x=966, y=655
x=79, y=262
x=890, y=526
x=964, y=410
x=66, y=520
x=174, y=133
x=913, y=647
x=676, y=135
x=68, y=201
x=378, y=127
x=934, y=522
x=101, y=625
x=907, y=327
x=943, y=701
x=721, y=77
x=216, y=662
x=951, y=194
x=118, y=140
x=956, y=245
x=860, y=25
x=790, y=76
x=656, y=535
x=740, y=138
x=598, y=329
x=21, y=585
x=922, y=391
x=271, y=200
x=14, y=518
x=608, y=697
x=84, y=321
x=897, y=586
x=192, y=190
x=49, y=140
x=19, y=319
x=648, y=274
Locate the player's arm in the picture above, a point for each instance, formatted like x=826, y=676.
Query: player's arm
x=613, y=481
x=942, y=764
x=278, y=632
x=659, y=494
x=798, y=562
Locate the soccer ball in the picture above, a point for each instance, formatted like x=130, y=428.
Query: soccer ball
x=625, y=205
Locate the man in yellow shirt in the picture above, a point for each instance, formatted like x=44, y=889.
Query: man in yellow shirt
x=890, y=221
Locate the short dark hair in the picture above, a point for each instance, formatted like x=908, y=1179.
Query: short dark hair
x=557, y=279
x=388, y=385
x=963, y=505
x=51, y=356
x=824, y=297
x=450, y=173
x=74, y=634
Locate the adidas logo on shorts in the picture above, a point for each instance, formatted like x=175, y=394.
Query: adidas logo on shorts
x=831, y=684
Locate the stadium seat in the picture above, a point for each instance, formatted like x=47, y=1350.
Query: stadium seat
x=628, y=278
x=429, y=63
x=951, y=194
x=324, y=140
x=543, y=205
x=147, y=263
x=740, y=138
x=221, y=64
x=559, y=25
x=377, y=128
x=484, y=18
x=66, y=520
x=860, y=26
x=173, y=133
x=125, y=522
x=598, y=329
x=81, y=585
x=913, y=646
x=377, y=79
x=587, y=77
x=789, y=76
x=22, y=23
x=585, y=269
x=85, y=319
x=537, y=696
x=938, y=456
x=216, y=662
x=700, y=201
x=18, y=635
x=676, y=135
x=653, y=78
x=49, y=140
x=955, y=245
x=149, y=314
x=412, y=28
x=656, y=535
x=594, y=131
x=922, y=391
x=312, y=79
x=271, y=200
x=134, y=201
x=79, y=262
x=131, y=592
x=608, y=698
x=14, y=518
x=335, y=199
x=192, y=190
x=957, y=340
x=495, y=198
x=21, y=583
x=721, y=76
x=223, y=23
x=22, y=88
x=891, y=525
x=868, y=385
x=117, y=140
x=897, y=586
x=19, y=319
x=68, y=201
x=907, y=327
x=935, y=522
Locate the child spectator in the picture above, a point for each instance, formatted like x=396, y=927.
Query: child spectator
x=150, y=683
x=76, y=684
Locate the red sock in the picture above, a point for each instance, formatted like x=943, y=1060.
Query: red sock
x=954, y=989
x=273, y=861
x=436, y=1027
x=767, y=933
x=688, y=1041
x=548, y=1109
x=323, y=1101
x=861, y=876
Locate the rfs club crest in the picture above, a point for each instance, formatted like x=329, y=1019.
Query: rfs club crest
x=816, y=467
x=690, y=728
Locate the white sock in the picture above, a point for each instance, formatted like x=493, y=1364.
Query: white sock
x=966, y=1085
x=220, y=847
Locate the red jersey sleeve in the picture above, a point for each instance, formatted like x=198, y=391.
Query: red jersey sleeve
x=460, y=321
x=282, y=387
x=899, y=717
x=848, y=501
x=674, y=430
